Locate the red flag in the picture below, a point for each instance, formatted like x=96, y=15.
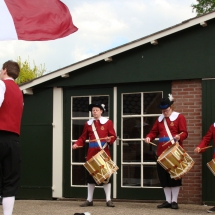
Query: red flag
x=36, y=20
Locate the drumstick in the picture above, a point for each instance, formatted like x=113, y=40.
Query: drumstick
x=170, y=140
x=100, y=139
x=93, y=141
x=152, y=143
x=206, y=147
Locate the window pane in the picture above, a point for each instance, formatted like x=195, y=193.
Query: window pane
x=131, y=175
x=148, y=124
x=79, y=175
x=131, y=128
x=150, y=178
x=80, y=107
x=149, y=152
x=132, y=104
x=77, y=128
x=131, y=151
x=102, y=100
x=79, y=155
x=151, y=102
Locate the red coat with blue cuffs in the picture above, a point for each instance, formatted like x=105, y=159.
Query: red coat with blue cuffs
x=210, y=135
x=104, y=128
x=176, y=123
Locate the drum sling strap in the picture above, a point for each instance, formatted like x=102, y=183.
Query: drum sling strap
x=97, y=137
x=168, y=131
x=100, y=145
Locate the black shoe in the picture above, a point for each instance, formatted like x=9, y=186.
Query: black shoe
x=86, y=204
x=1, y=200
x=85, y=213
x=164, y=205
x=174, y=205
x=110, y=204
x=211, y=210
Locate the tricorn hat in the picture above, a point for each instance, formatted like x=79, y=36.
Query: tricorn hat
x=166, y=102
x=101, y=106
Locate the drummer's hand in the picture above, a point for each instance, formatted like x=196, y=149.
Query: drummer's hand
x=177, y=138
x=147, y=139
x=74, y=146
x=108, y=139
x=197, y=150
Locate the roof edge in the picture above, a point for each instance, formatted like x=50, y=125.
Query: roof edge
x=109, y=53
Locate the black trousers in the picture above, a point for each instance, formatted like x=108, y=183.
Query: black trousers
x=165, y=179
x=10, y=163
x=0, y=180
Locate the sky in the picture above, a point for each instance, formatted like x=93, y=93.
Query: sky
x=102, y=25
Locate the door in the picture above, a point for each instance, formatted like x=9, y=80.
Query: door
x=137, y=113
x=75, y=115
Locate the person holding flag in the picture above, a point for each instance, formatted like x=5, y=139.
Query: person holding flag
x=11, y=108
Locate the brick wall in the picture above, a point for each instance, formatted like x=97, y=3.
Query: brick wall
x=188, y=101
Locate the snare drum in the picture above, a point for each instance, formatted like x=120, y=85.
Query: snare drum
x=176, y=161
x=211, y=166
x=101, y=167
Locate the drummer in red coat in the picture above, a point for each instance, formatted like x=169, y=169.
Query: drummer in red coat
x=106, y=132
x=176, y=123
x=210, y=135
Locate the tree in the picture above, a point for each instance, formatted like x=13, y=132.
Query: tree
x=203, y=6
x=27, y=73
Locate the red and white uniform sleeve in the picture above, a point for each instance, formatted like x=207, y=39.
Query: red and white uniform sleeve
x=103, y=131
x=210, y=135
x=176, y=126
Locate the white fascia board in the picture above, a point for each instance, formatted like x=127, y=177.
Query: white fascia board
x=205, y=79
x=120, y=49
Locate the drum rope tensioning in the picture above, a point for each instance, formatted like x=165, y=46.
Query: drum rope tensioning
x=176, y=161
